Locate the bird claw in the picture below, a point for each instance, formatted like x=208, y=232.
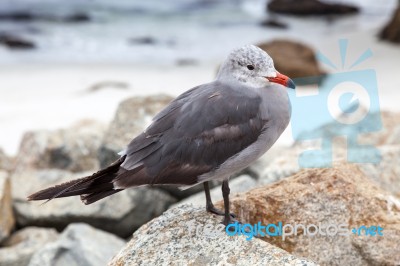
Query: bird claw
x=216, y=211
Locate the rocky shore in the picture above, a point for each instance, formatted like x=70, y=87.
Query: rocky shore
x=272, y=190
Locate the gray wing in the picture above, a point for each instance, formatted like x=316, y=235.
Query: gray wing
x=193, y=135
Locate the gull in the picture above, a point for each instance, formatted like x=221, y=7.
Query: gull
x=207, y=133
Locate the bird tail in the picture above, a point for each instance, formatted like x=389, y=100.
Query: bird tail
x=91, y=188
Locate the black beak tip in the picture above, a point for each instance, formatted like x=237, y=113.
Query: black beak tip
x=290, y=84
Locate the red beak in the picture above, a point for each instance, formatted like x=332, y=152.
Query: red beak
x=283, y=80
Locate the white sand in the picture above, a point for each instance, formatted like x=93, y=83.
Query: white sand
x=55, y=96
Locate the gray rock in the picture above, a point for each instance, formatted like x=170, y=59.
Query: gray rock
x=131, y=118
x=386, y=173
x=73, y=149
x=281, y=166
x=79, y=245
x=6, y=163
x=394, y=137
x=20, y=247
x=293, y=58
x=181, y=237
x=239, y=184
x=121, y=213
x=7, y=220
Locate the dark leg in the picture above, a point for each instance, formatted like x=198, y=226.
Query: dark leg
x=225, y=193
x=209, y=205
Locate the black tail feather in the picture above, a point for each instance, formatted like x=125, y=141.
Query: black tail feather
x=92, y=188
x=93, y=197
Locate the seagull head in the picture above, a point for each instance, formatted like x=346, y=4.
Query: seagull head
x=254, y=67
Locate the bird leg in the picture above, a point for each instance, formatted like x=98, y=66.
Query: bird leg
x=225, y=193
x=209, y=205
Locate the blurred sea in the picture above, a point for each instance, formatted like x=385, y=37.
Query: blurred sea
x=163, y=32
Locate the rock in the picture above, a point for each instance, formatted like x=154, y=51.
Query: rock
x=387, y=172
x=15, y=42
x=280, y=167
x=171, y=239
x=240, y=184
x=310, y=7
x=325, y=197
x=17, y=16
x=391, y=32
x=293, y=59
x=273, y=23
x=186, y=62
x=120, y=214
x=77, y=18
x=79, y=245
x=7, y=220
x=146, y=40
x=74, y=149
x=389, y=132
x=26, y=16
x=108, y=85
x=6, y=163
x=131, y=118
x=20, y=247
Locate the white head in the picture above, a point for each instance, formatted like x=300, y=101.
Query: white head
x=252, y=66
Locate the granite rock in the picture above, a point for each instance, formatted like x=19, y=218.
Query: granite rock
x=18, y=249
x=79, y=245
x=337, y=199
x=180, y=237
x=73, y=149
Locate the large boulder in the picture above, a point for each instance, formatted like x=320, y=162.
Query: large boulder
x=391, y=32
x=73, y=149
x=187, y=235
x=132, y=117
x=7, y=220
x=340, y=198
x=292, y=58
x=310, y=7
x=78, y=245
x=120, y=214
x=20, y=247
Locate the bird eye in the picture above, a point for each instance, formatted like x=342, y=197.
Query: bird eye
x=250, y=67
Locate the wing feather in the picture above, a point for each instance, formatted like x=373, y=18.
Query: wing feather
x=195, y=134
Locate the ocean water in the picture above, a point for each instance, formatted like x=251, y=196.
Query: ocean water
x=189, y=30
